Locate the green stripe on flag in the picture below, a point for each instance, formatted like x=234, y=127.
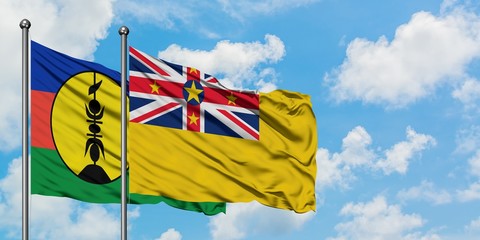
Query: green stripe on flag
x=51, y=177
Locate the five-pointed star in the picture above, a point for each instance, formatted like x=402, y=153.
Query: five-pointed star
x=193, y=92
x=154, y=87
x=193, y=70
x=231, y=99
x=193, y=119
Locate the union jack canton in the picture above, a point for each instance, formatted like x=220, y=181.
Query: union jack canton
x=169, y=95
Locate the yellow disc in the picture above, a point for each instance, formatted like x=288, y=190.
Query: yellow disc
x=86, y=126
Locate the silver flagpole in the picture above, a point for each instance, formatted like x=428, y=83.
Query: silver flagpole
x=25, y=26
x=123, y=31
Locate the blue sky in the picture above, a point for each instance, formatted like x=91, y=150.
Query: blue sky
x=395, y=89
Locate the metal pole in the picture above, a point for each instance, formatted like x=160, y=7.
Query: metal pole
x=123, y=31
x=25, y=26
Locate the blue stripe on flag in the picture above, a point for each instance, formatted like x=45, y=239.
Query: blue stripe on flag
x=172, y=119
x=135, y=65
x=50, y=69
x=212, y=125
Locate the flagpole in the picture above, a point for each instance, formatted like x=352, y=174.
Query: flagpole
x=123, y=31
x=25, y=26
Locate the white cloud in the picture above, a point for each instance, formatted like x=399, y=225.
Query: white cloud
x=331, y=171
x=473, y=226
x=420, y=236
x=468, y=93
x=134, y=213
x=52, y=217
x=470, y=194
x=170, y=234
x=244, y=219
x=237, y=62
x=11, y=196
x=411, y=66
x=337, y=168
x=355, y=150
x=378, y=220
x=468, y=139
x=73, y=27
x=72, y=221
x=398, y=157
x=425, y=191
x=471, y=231
x=448, y=5
x=474, y=163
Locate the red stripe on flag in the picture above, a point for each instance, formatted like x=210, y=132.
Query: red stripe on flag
x=239, y=123
x=193, y=118
x=154, y=112
x=166, y=88
x=193, y=74
x=212, y=80
x=41, y=110
x=220, y=96
x=145, y=60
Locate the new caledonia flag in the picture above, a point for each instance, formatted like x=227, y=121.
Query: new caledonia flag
x=75, y=132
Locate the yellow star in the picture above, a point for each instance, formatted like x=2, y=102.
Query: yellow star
x=193, y=92
x=193, y=70
x=193, y=119
x=154, y=87
x=231, y=99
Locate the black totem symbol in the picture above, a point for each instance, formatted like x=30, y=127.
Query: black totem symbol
x=94, y=113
